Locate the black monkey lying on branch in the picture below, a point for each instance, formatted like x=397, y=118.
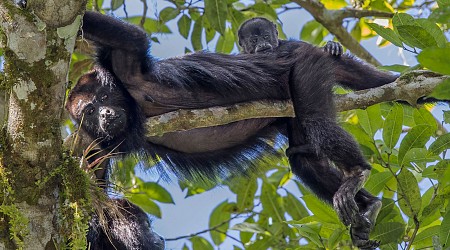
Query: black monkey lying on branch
x=128, y=84
x=259, y=35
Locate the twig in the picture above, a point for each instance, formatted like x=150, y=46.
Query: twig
x=144, y=14
x=206, y=230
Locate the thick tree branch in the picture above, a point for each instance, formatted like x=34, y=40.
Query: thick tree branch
x=408, y=88
x=332, y=21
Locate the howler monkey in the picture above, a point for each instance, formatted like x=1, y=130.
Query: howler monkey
x=128, y=84
x=126, y=227
x=259, y=34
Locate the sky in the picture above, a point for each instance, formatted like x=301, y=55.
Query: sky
x=191, y=215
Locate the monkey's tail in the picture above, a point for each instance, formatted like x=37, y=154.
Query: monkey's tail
x=357, y=75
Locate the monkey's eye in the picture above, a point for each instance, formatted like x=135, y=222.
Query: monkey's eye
x=254, y=41
x=103, y=98
x=89, y=110
x=266, y=37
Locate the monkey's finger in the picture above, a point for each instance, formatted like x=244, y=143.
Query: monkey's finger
x=340, y=49
x=345, y=206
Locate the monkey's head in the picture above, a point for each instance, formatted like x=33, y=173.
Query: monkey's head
x=101, y=109
x=258, y=35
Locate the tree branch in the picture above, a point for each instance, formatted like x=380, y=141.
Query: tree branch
x=347, y=13
x=332, y=21
x=409, y=88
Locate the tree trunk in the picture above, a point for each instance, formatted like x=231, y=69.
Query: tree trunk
x=34, y=205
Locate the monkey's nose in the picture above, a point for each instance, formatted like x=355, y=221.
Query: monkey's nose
x=106, y=113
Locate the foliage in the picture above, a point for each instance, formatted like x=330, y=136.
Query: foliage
x=407, y=146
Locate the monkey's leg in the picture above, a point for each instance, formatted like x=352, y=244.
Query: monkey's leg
x=330, y=140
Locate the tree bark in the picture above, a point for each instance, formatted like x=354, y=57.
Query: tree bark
x=38, y=42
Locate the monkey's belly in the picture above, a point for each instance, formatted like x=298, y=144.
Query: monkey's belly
x=212, y=138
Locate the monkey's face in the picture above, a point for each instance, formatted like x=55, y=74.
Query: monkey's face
x=258, y=35
x=100, y=110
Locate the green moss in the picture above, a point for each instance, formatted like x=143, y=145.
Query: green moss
x=12, y=222
x=74, y=200
x=17, y=224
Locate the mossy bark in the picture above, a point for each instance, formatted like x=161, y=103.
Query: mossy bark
x=33, y=167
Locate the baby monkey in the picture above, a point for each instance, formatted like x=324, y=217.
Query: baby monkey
x=259, y=35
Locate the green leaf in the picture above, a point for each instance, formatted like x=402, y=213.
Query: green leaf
x=218, y=216
x=360, y=135
x=199, y=243
x=310, y=233
x=434, y=30
x=250, y=228
x=246, y=236
x=443, y=2
x=442, y=91
x=184, y=26
x=168, y=14
x=416, y=36
x=312, y=32
x=441, y=15
x=370, y=119
x=389, y=232
x=335, y=238
x=376, y=182
x=395, y=67
x=236, y=18
x=410, y=200
x=196, y=36
x=415, y=138
x=387, y=34
x=392, y=127
x=424, y=117
x=145, y=204
x=442, y=143
x=115, y=4
x=157, y=192
x=447, y=116
x=245, y=189
x=151, y=25
x=436, y=59
x=294, y=207
x=424, y=238
x=272, y=202
x=402, y=19
x=321, y=210
x=264, y=9
x=216, y=12
x=418, y=156
x=334, y=4
x=444, y=235
x=225, y=44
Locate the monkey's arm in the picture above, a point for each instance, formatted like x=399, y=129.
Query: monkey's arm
x=114, y=33
x=122, y=47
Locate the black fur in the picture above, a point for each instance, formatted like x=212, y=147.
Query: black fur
x=203, y=79
x=127, y=228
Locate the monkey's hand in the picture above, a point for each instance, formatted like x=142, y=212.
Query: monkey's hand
x=334, y=48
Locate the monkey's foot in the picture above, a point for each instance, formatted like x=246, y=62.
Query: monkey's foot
x=334, y=48
x=345, y=205
x=360, y=232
